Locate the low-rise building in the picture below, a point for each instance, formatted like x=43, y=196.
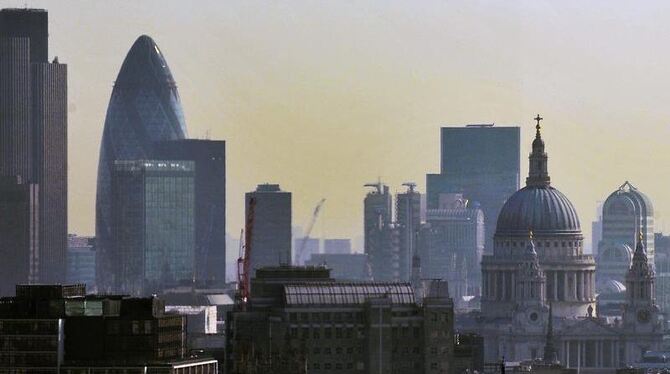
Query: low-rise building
x=299, y=319
x=81, y=260
x=58, y=328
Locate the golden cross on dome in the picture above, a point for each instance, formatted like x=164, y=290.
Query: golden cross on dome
x=538, y=119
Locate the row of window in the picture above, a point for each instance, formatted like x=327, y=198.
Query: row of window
x=327, y=317
x=538, y=243
x=337, y=350
x=338, y=366
x=327, y=333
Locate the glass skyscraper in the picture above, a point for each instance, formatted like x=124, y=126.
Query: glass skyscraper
x=144, y=108
x=482, y=163
x=153, y=225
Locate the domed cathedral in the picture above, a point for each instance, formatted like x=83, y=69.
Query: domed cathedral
x=538, y=286
x=557, y=238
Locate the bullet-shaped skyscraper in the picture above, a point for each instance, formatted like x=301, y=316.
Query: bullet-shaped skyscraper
x=271, y=238
x=144, y=108
x=33, y=136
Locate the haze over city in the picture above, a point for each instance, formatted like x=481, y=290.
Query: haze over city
x=322, y=97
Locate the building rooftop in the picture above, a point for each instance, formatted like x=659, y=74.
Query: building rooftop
x=346, y=293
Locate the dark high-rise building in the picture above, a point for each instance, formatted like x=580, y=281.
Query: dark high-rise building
x=19, y=238
x=153, y=235
x=271, y=239
x=32, y=24
x=381, y=241
x=408, y=219
x=482, y=162
x=33, y=129
x=210, y=202
x=451, y=246
x=144, y=108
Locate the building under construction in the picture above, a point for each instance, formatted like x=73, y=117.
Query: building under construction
x=299, y=319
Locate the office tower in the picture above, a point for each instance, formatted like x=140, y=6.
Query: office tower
x=271, y=239
x=81, y=260
x=33, y=129
x=662, y=267
x=144, y=108
x=210, y=202
x=451, y=245
x=337, y=246
x=153, y=233
x=339, y=327
x=381, y=238
x=304, y=249
x=625, y=212
x=408, y=219
x=19, y=228
x=482, y=162
x=597, y=230
x=60, y=329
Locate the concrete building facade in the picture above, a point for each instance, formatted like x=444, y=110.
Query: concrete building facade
x=271, y=239
x=301, y=320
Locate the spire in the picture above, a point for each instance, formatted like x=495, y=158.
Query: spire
x=550, y=355
x=640, y=253
x=537, y=170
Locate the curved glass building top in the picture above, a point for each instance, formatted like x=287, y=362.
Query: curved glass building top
x=144, y=108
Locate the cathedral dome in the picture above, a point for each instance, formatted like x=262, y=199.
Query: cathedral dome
x=542, y=209
x=538, y=206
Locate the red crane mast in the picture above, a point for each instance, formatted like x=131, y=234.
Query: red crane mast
x=244, y=262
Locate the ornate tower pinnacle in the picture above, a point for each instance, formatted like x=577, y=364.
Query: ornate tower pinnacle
x=640, y=277
x=537, y=170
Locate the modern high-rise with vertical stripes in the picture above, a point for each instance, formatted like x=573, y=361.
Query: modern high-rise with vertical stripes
x=33, y=143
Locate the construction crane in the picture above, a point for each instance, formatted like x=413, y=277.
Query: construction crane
x=315, y=215
x=244, y=261
x=377, y=185
x=410, y=186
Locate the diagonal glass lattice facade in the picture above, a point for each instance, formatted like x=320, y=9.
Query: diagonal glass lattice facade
x=144, y=108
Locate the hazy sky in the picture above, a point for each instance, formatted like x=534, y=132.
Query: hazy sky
x=324, y=96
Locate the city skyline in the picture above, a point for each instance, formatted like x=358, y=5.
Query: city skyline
x=381, y=82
